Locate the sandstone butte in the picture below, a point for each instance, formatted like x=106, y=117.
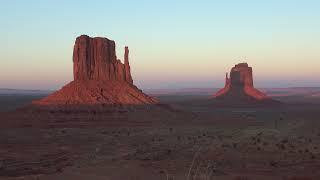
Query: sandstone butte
x=240, y=85
x=99, y=77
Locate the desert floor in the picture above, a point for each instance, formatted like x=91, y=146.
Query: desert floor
x=185, y=138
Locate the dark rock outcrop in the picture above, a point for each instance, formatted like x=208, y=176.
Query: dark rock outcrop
x=99, y=77
x=240, y=85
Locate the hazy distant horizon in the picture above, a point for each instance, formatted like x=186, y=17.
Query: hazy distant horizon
x=164, y=88
x=173, y=44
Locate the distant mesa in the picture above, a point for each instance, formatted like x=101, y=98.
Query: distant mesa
x=239, y=86
x=99, y=77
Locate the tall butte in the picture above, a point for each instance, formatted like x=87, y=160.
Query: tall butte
x=240, y=86
x=99, y=77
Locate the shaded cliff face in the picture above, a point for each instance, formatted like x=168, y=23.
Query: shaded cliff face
x=241, y=75
x=99, y=77
x=240, y=85
x=95, y=59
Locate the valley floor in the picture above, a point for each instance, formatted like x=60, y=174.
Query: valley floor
x=187, y=140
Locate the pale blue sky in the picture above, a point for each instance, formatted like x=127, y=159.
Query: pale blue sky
x=172, y=43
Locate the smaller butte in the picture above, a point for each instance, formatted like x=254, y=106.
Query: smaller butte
x=239, y=86
x=99, y=77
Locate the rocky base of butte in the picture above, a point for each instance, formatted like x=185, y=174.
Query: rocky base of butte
x=99, y=77
x=239, y=87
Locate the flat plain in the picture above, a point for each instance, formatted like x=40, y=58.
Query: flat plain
x=185, y=137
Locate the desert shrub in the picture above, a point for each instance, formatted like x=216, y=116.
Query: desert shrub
x=297, y=178
x=241, y=178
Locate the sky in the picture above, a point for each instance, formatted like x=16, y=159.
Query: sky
x=173, y=44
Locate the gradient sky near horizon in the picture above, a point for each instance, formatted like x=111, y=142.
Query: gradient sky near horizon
x=173, y=44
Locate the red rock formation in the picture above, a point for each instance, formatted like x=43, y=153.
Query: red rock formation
x=99, y=78
x=128, y=77
x=240, y=85
x=95, y=59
